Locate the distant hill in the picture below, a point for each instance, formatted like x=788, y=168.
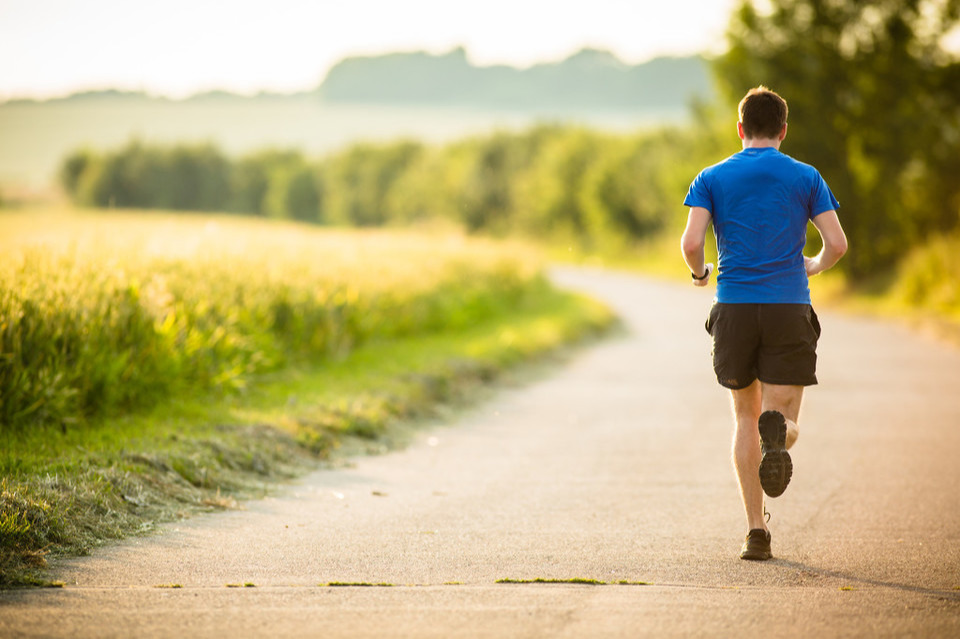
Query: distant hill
x=588, y=80
x=434, y=98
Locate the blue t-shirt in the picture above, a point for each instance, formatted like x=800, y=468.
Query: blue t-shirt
x=760, y=200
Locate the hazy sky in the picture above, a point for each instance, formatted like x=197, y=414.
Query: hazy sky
x=177, y=47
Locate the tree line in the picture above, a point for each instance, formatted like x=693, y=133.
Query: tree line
x=558, y=182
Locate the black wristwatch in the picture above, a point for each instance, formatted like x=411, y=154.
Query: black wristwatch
x=705, y=275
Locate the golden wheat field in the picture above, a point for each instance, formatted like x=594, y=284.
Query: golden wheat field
x=105, y=311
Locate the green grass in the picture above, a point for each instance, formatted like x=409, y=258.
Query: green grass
x=583, y=581
x=65, y=493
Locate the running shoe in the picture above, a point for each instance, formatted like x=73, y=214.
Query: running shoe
x=756, y=547
x=776, y=467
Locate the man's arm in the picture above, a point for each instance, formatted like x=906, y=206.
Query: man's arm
x=693, y=242
x=834, y=243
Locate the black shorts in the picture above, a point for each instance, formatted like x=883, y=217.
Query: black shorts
x=775, y=343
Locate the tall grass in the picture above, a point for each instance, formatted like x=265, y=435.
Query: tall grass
x=111, y=312
x=927, y=279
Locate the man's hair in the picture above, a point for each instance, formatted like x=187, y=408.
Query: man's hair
x=763, y=113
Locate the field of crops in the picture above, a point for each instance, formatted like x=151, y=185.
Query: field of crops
x=101, y=313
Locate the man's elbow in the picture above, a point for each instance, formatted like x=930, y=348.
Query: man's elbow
x=838, y=245
x=691, y=246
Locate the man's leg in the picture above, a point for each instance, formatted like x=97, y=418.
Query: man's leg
x=746, y=461
x=777, y=425
x=786, y=400
x=747, y=406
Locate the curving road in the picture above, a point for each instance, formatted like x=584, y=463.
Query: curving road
x=613, y=468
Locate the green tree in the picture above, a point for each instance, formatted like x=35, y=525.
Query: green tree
x=72, y=169
x=549, y=195
x=194, y=178
x=488, y=193
x=359, y=181
x=294, y=192
x=118, y=179
x=250, y=178
x=630, y=192
x=486, y=198
x=189, y=178
x=874, y=104
x=428, y=189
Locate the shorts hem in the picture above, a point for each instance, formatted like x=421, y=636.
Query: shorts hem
x=735, y=386
x=792, y=382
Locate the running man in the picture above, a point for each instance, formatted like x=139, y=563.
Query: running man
x=763, y=327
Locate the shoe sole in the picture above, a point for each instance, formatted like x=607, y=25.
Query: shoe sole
x=760, y=556
x=776, y=467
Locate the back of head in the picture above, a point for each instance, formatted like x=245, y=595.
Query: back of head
x=763, y=113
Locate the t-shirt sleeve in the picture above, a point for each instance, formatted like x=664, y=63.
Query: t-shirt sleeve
x=821, y=197
x=699, y=193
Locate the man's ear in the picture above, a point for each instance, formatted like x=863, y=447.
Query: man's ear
x=740, y=132
x=783, y=132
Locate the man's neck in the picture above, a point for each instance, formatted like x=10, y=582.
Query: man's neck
x=761, y=143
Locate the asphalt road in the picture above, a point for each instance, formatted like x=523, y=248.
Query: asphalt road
x=614, y=468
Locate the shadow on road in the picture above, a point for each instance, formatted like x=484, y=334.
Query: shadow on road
x=848, y=578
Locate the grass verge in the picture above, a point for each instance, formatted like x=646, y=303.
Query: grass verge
x=65, y=493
